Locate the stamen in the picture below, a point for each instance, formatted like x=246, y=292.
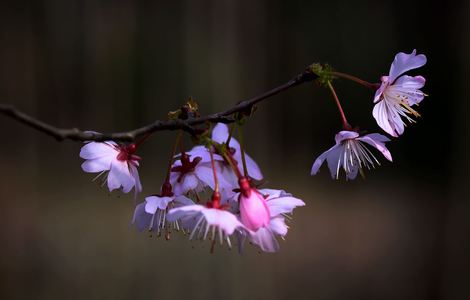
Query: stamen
x=195, y=227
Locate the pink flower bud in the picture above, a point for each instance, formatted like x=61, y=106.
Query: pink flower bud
x=254, y=211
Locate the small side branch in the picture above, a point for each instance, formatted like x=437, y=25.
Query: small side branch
x=188, y=125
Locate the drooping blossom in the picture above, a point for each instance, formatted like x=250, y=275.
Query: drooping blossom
x=279, y=204
x=254, y=212
x=151, y=214
x=189, y=173
x=205, y=221
x=220, y=134
x=351, y=153
x=397, y=94
x=118, y=163
x=227, y=178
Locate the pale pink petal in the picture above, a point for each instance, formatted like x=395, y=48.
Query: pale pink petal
x=380, y=91
x=183, y=200
x=119, y=176
x=406, y=81
x=155, y=202
x=319, y=161
x=177, y=189
x=141, y=219
x=206, y=175
x=406, y=88
x=253, y=170
x=265, y=239
x=135, y=174
x=334, y=162
x=345, y=135
x=278, y=226
x=381, y=114
x=97, y=165
x=273, y=193
x=95, y=150
x=183, y=212
x=404, y=62
x=283, y=205
x=190, y=182
x=203, y=153
x=220, y=133
x=222, y=219
x=377, y=140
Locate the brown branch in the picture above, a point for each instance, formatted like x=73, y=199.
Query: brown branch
x=188, y=125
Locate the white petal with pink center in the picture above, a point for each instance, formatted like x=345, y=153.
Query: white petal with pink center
x=107, y=159
x=351, y=153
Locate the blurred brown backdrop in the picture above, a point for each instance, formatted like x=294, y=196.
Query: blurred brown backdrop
x=403, y=233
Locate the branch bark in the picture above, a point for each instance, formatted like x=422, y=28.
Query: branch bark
x=189, y=125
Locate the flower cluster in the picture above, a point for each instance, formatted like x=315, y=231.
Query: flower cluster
x=212, y=191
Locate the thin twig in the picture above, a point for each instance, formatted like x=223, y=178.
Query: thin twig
x=188, y=125
x=358, y=80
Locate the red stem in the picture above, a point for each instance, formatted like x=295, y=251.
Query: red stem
x=346, y=125
x=362, y=82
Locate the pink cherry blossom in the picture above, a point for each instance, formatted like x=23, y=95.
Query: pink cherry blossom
x=203, y=221
x=117, y=163
x=254, y=212
x=279, y=204
x=188, y=173
x=396, y=95
x=152, y=213
x=352, y=154
x=193, y=172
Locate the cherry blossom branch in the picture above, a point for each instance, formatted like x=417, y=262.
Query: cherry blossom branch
x=188, y=125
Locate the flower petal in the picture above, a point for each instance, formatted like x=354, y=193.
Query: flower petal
x=224, y=220
x=97, y=165
x=153, y=203
x=119, y=176
x=283, y=205
x=406, y=88
x=203, y=153
x=345, y=135
x=190, y=182
x=206, y=175
x=278, y=226
x=378, y=141
x=141, y=219
x=319, y=161
x=135, y=174
x=404, y=62
x=265, y=239
x=183, y=200
x=220, y=133
x=385, y=116
x=273, y=193
x=95, y=150
x=183, y=212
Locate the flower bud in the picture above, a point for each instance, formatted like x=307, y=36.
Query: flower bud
x=254, y=211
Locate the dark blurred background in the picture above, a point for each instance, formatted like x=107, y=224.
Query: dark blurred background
x=402, y=233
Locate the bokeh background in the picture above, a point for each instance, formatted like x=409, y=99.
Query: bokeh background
x=402, y=233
